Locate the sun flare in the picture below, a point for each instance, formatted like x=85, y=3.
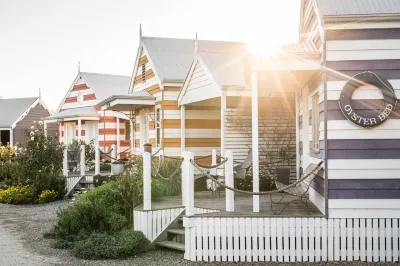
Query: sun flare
x=263, y=48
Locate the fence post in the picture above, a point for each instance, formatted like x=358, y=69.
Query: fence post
x=65, y=161
x=230, y=196
x=96, y=160
x=113, y=152
x=183, y=171
x=83, y=163
x=213, y=171
x=147, y=181
x=161, y=156
x=189, y=176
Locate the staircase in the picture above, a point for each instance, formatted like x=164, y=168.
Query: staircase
x=173, y=237
x=82, y=185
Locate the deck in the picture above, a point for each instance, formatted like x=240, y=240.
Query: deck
x=244, y=205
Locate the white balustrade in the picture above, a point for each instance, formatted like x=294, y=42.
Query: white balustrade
x=65, y=161
x=229, y=194
x=96, y=160
x=189, y=183
x=83, y=161
x=147, y=181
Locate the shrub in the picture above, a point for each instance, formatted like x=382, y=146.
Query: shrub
x=170, y=169
x=99, y=180
x=16, y=195
x=41, y=162
x=111, y=246
x=97, y=210
x=47, y=196
x=157, y=189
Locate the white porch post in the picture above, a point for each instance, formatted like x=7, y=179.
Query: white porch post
x=254, y=116
x=60, y=136
x=147, y=181
x=118, y=138
x=96, y=159
x=79, y=129
x=113, y=152
x=11, y=136
x=183, y=131
x=189, y=176
x=65, y=161
x=184, y=178
x=306, y=128
x=223, y=109
x=83, y=163
x=132, y=137
x=45, y=127
x=229, y=194
x=297, y=137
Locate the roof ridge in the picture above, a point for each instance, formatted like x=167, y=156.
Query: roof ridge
x=104, y=74
x=19, y=98
x=185, y=39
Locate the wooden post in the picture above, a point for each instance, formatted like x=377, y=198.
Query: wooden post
x=230, y=196
x=161, y=155
x=254, y=117
x=213, y=171
x=118, y=138
x=45, y=127
x=60, y=138
x=11, y=136
x=65, y=161
x=183, y=131
x=96, y=160
x=147, y=181
x=113, y=152
x=189, y=175
x=132, y=137
x=297, y=136
x=79, y=129
x=223, y=110
x=83, y=163
x=184, y=178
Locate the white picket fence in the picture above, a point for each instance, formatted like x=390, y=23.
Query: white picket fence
x=290, y=239
x=72, y=181
x=153, y=223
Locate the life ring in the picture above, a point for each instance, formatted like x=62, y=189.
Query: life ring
x=370, y=78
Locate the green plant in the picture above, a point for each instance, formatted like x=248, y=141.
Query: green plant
x=17, y=195
x=157, y=189
x=111, y=246
x=47, y=196
x=118, y=162
x=99, y=180
x=170, y=169
x=99, y=209
x=105, y=166
x=74, y=151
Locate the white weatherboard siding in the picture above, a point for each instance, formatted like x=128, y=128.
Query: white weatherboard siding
x=201, y=86
x=334, y=88
x=149, y=66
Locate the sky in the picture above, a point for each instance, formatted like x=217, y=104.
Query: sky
x=42, y=41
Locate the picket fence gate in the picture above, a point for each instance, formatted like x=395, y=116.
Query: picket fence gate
x=290, y=239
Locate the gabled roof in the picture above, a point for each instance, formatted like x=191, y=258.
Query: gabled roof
x=357, y=7
x=227, y=69
x=12, y=109
x=172, y=57
x=105, y=85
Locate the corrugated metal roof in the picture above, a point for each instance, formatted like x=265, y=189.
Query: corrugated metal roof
x=106, y=85
x=357, y=7
x=172, y=57
x=89, y=111
x=12, y=109
x=142, y=93
x=226, y=68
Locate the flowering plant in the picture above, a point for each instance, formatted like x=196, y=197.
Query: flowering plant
x=47, y=196
x=16, y=195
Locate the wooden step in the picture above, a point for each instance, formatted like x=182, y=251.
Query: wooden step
x=177, y=231
x=180, y=219
x=172, y=245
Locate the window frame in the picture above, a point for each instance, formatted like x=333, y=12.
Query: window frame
x=143, y=72
x=157, y=125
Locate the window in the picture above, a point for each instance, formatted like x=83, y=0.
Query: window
x=315, y=123
x=158, y=126
x=80, y=98
x=127, y=130
x=143, y=72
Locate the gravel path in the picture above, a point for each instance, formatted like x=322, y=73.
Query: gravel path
x=22, y=243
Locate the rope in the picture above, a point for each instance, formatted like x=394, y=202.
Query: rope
x=157, y=171
x=112, y=158
x=156, y=153
x=211, y=166
x=203, y=157
x=124, y=151
x=315, y=171
x=173, y=158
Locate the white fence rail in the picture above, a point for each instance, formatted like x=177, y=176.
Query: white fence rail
x=290, y=239
x=72, y=181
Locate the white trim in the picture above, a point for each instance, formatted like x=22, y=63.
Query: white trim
x=187, y=81
x=183, y=128
x=127, y=102
x=222, y=118
x=254, y=120
x=68, y=92
x=173, y=84
x=11, y=137
x=33, y=105
x=120, y=115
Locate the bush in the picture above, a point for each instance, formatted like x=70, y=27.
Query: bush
x=99, y=180
x=111, y=246
x=98, y=210
x=170, y=169
x=47, y=196
x=16, y=195
x=157, y=189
